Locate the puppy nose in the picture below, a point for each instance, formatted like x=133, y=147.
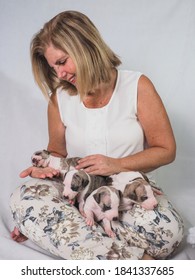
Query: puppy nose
x=66, y=196
x=115, y=219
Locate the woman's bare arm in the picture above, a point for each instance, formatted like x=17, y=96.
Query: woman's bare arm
x=56, y=129
x=57, y=144
x=159, y=136
x=157, y=129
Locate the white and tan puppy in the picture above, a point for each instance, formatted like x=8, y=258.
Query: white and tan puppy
x=136, y=189
x=43, y=158
x=102, y=205
x=128, y=188
x=139, y=191
x=79, y=185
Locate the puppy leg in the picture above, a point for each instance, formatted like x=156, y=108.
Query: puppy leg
x=89, y=218
x=107, y=228
x=81, y=208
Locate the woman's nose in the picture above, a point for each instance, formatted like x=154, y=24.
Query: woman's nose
x=60, y=72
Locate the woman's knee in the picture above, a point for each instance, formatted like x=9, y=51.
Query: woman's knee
x=31, y=192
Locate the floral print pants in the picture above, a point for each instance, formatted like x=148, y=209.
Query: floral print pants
x=42, y=214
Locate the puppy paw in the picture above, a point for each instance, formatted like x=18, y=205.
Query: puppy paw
x=110, y=233
x=70, y=201
x=89, y=221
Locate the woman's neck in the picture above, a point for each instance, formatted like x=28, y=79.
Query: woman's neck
x=101, y=96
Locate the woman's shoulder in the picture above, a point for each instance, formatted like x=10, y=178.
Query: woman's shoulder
x=146, y=86
x=138, y=79
x=129, y=73
x=128, y=79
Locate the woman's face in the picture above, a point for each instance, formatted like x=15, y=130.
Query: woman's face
x=61, y=63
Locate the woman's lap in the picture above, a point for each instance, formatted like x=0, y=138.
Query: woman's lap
x=41, y=214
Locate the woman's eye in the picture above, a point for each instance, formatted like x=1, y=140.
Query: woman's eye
x=62, y=62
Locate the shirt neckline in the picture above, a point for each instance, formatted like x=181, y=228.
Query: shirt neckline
x=110, y=101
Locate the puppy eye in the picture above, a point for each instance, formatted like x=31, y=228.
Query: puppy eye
x=133, y=196
x=144, y=197
x=38, y=153
x=106, y=208
x=74, y=188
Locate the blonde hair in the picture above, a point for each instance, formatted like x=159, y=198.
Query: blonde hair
x=75, y=34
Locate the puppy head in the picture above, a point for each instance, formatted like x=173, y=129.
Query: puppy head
x=108, y=199
x=140, y=191
x=75, y=181
x=150, y=202
x=40, y=158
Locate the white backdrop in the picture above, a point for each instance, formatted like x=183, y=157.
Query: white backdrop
x=156, y=37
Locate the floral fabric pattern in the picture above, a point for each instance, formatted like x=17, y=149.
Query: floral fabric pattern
x=45, y=217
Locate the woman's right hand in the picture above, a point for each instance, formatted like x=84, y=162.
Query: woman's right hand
x=39, y=172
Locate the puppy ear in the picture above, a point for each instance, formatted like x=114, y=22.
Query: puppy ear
x=76, y=182
x=145, y=177
x=97, y=197
x=157, y=191
x=82, y=178
x=85, y=181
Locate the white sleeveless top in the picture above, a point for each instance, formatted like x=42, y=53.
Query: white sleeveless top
x=112, y=130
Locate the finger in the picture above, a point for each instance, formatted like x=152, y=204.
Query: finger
x=52, y=172
x=92, y=170
x=49, y=175
x=43, y=173
x=26, y=172
x=87, y=158
x=85, y=162
x=82, y=165
x=40, y=176
x=56, y=172
x=38, y=173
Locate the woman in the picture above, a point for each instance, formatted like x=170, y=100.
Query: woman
x=116, y=122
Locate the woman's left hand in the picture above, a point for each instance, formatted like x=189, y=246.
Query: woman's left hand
x=99, y=165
